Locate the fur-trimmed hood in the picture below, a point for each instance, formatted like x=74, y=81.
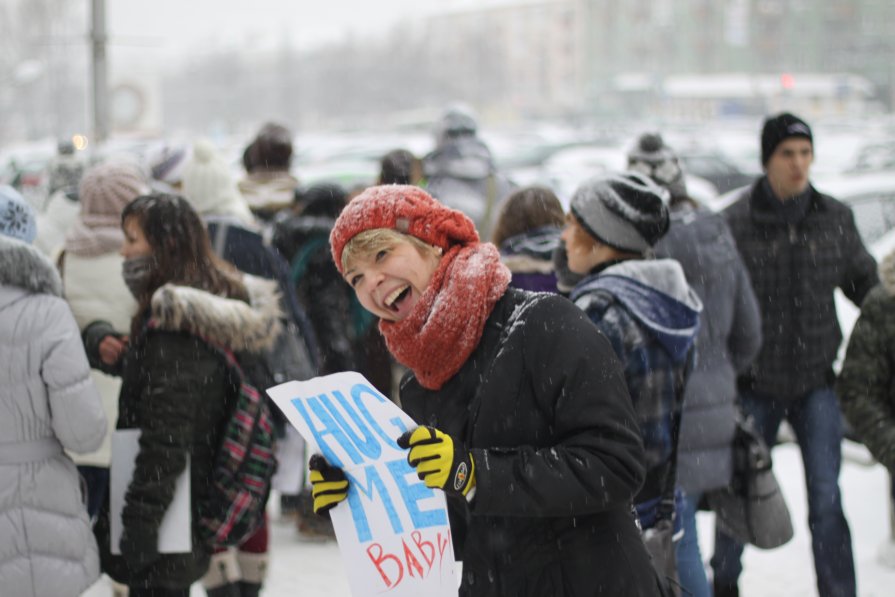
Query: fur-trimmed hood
x=887, y=273
x=228, y=322
x=24, y=267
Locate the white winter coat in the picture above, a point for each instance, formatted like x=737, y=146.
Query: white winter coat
x=47, y=403
x=95, y=291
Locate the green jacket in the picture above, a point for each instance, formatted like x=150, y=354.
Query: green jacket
x=866, y=385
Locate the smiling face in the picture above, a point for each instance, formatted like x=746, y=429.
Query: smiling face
x=391, y=276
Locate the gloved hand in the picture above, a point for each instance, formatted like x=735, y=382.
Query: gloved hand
x=441, y=462
x=329, y=484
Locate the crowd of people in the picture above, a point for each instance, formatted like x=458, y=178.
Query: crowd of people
x=577, y=375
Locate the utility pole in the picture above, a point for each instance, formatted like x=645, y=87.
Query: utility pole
x=98, y=38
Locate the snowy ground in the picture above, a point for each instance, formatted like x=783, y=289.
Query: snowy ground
x=312, y=570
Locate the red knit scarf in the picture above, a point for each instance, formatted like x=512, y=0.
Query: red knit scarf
x=447, y=322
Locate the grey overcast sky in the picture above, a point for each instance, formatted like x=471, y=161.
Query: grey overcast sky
x=173, y=27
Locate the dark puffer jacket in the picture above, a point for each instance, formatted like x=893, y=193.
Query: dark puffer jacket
x=177, y=390
x=866, y=385
x=542, y=405
x=794, y=270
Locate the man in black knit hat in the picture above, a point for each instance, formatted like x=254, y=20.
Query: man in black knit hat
x=798, y=246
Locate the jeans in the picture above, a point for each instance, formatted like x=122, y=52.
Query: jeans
x=690, y=569
x=97, y=481
x=817, y=423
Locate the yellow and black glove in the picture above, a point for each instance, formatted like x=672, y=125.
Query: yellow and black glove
x=441, y=462
x=329, y=484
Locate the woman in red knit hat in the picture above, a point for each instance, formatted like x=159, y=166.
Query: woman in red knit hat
x=526, y=423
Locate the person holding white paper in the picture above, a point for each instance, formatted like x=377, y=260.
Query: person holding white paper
x=526, y=421
x=47, y=402
x=177, y=388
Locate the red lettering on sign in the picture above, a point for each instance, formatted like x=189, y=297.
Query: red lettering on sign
x=426, y=548
x=379, y=559
x=391, y=567
x=411, y=561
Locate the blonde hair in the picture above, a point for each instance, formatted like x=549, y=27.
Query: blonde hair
x=370, y=242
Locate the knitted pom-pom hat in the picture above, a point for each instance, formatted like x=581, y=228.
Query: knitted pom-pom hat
x=404, y=208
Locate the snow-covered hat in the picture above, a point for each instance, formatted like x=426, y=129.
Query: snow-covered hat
x=626, y=211
x=652, y=157
x=404, y=208
x=17, y=218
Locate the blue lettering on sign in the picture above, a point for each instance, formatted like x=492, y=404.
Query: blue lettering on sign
x=359, y=390
x=328, y=427
x=368, y=444
x=357, y=508
x=411, y=493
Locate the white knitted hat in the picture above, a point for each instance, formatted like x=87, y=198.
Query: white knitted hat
x=210, y=187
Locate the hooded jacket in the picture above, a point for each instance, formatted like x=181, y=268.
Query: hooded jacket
x=729, y=339
x=47, y=403
x=651, y=317
x=177, y=389
x=866, y=384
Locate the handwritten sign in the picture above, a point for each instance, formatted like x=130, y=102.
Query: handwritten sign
x=393, y=531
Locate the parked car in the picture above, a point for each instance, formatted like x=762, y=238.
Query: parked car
x=717, y=169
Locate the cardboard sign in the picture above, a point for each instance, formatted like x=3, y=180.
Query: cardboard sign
x=175, y=530
x=393, y=531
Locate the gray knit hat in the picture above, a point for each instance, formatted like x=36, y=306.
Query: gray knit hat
x=626, y=211
x=652, y=157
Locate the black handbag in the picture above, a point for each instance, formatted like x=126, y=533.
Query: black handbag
x=752, y=508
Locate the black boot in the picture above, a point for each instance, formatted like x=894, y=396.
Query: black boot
x=231, y=589
x=249, y=589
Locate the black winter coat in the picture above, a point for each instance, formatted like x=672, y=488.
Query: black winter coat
x=543, y=407
x=177, y=389
x=794, y=270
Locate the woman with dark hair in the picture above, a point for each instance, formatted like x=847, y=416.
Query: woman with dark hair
x=527, y=232
x=177, y=387
x=526, y=424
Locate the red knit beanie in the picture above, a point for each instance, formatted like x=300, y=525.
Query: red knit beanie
x=404, y=208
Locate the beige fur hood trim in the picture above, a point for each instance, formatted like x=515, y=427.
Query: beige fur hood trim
x=231, y=323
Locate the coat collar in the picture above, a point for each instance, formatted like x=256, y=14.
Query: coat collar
x=231, y=323
x=24, y=267
x=763, y=212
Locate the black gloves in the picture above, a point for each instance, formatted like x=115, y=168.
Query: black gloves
x=329, y=484
x=441, y=462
